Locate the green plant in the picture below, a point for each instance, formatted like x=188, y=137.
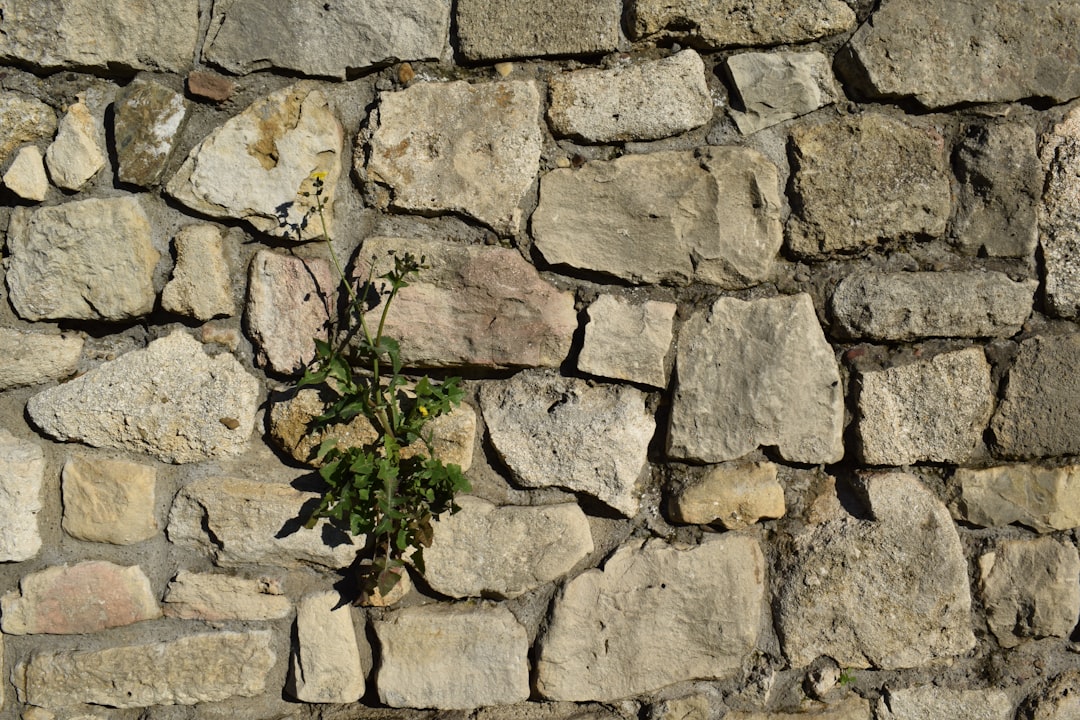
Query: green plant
x=846, y=678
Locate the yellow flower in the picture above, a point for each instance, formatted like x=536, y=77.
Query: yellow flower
x=318, y=175
x=423, y=410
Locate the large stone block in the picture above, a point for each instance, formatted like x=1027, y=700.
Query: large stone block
x=29, y=358
x=1043, y=499
x=1059, y=217
x=108, y=500
x=778, y=86
x=498, y=29
x=731, y=495
x=628, y=341
x=326, y=663
x=930, y=702
x=201, y=286
x=147, y=121
x=851, y=708
x=78, y=152
x=22, y=472
x=214, y=598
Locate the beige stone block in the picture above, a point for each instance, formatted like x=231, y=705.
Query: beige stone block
x=109, y=501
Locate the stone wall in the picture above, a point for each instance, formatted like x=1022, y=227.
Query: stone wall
x=766, y=309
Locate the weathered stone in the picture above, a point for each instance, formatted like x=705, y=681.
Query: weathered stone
x=259, y=165
x=734, y=496
x=109, y=501
x=511, y=550
x=26, y=177
x=911, y=305
x=210, y=85
x=1043, y=499
x=84, y=260
x=756, y=373
x=676, y=217
x=641, y=101
x=931, y=410
x=22, y=471
x=497, y=29
x=774, y=87
x=655, y=615
x=241, y=522
x=1059, y=217
x=327, y=40
x=1001, y=181
x=326, y=663
x=23, y=119
x=452, y=657
x=193, y=669
x=929, y=702
x=78, y=152
x=201, y=286
x=170, y=400
x=82, y=598
x=1030, y=589
x=846, y=574
x=1058, y=701
x=148, y=119
x=1042, y=400
x=851, y=708
x=216, y=598
x=996, y=51
x=553, y=430
x=729, y=23
x=628, y=341
x=865, y=178
x=474, y=306
x=29, y=358
x=476, y=152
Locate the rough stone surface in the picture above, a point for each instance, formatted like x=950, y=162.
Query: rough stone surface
x=1059, y=217
x=511, y=550
x=929, y=702
x=497, y=29
x=553, y=430
x=931, y=410
x=23, y=119
x=756, y=373
x=193, y=669
x=852, y=708
x=655, y=615
x=731, y=495
x=78, y=152
x=1059, y=701
x=148, y=119
x=216, y=598
x=22, y=472
x=864, y=178
x=906, y=564
x=1043, y=499
x=170, y=400
x=1009, y=51
x=82, y=598
x=257, y=165
x=907, y=306
x=628, y=341
x=335, y=38
x=675, y=217
x=109, y=501
x=26, y=177
x=326, y=663
x=83, y=260
x=774, y=87
x=29, y=358
x=239, y=522
x=474, y=306
x=1037, y=418
x=200, y=286
x=476, y=153
x=452, y=657
x=1030, y=589
x=642, y=101
x=210, y=85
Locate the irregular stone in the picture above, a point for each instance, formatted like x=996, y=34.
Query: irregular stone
x=1059, y=701
x=77, y=599
x=843, y=576
x=497, y=29
x=325, y=40
x=731, y=495
x=474, y=306
x=1059, y=215
x=774, y=87
x=1043, y=499
x=258, y=165
x=240, y=522
x=100, y=34
x=554, y=430
x=23, y=120
x=752, y=374
x=676, y=217
x=216, y=598
x=476, y=152
x=148, y=119
x=201, y=284
x=628, y=341
x=210, y=85
x=22, y=472
x=641, y=101
x=1001, y=181
x=911, y=305
x=194, y=669
x=511, y=550
x=170, y=400
x=851, y=708
x=656, y=614
x=864, y=178
x=996, y=51
x=82, y=260
x=29, y=358
x=26, y=177
x=1042, y=398
x=77, y=153
x=929, y=702
x=109, y=501
x=326, y=663
x=731, y=23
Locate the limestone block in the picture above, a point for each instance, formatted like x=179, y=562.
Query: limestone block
x=78, y=152
x=26, y=176
x=326, y=663
x=23, y=120
x=628, y=341
x=29, y=358
x=147, y=121
x=1059, y=214
x=201, y=286
x=497, y=29
x=779, y=86
x=213, y=597
x=851, y=708
x=22, y=471
x=109, y=501
x=930, y=702
x=731, y=23
x=1060, y=700
x=1043, y=499
x=731, y=495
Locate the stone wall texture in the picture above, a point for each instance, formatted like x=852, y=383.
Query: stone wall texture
x=768, y=313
